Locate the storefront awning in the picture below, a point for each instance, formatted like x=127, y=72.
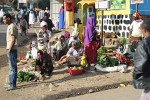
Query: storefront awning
x=87, y=2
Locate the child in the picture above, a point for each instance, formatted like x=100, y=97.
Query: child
x=23, y=26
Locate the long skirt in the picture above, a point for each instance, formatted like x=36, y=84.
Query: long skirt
x=91, y=51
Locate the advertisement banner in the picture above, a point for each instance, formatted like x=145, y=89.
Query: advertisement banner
x=22, y=1
x=137, y=1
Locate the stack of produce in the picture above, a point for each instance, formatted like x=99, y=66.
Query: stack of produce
x=24, y=76
x=105, y=60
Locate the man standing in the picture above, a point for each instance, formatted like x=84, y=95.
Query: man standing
x=141, y=73
x=41, y=15
x=50, y=24
x=11, y=40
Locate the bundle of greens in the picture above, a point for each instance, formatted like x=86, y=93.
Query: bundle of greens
x=24, y=76
x=102, y=50
x=107, y=61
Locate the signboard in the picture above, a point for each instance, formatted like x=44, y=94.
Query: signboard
x=118, y=4
x=22, y=1
x=96, y=5
x=137, y=1
x=102, y=4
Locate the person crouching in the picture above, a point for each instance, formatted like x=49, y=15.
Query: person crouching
x=44, y=62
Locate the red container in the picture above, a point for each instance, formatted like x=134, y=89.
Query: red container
x=75, y=72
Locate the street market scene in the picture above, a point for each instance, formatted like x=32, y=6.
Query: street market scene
x=74, y=49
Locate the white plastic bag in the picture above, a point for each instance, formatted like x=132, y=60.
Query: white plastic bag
x=120, y=68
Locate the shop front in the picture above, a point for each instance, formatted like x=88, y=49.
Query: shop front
x=87, y=9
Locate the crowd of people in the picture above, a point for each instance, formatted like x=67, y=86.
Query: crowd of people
x=68, y=48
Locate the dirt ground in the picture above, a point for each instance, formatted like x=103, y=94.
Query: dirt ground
x=60, y=84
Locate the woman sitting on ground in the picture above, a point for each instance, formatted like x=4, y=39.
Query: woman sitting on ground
x=73, y=55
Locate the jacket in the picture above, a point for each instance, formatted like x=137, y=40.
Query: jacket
x=141, y=73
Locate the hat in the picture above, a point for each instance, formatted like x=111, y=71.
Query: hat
x=33, y=43
x=136, y=14
x=43, y=23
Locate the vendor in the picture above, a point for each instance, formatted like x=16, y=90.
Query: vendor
x=136, y=34
x=121, y=52
x=60, y=48
x=73, y=56
x=44, y=62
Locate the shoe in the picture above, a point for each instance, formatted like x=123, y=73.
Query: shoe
x=10, y=88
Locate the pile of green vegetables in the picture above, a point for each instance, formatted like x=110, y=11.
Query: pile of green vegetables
x=33, y=63
x=24, y=76
x=105, y=60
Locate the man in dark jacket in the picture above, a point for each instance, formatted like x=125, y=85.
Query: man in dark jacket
x=50, y=24
x=141, y=73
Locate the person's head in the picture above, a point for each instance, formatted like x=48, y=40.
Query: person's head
x=46, y=15
x=78, y=21
x=74, y=45
x=136, y=16
x=43, y=25
x=145, y=28
x=61, y=38
x=7, y=18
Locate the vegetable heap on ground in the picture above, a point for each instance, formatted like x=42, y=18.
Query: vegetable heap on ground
x=105, y=60
x=24, y=76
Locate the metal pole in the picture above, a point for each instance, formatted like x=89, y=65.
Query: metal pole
x=102, y=25
x=137, y=7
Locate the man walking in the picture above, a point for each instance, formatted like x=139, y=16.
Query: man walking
x=141, y=73
x=11, y=40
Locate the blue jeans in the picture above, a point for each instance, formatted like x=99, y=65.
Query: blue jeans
x=12, y=58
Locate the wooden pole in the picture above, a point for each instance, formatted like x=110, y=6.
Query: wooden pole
x=102, y=26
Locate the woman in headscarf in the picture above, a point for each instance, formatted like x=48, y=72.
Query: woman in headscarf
x=31, y=18
x=61, y=18
x=90, y=43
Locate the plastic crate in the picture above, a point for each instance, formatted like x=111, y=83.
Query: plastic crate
x=75, y=72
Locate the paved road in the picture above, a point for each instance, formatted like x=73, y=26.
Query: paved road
x=127, y=93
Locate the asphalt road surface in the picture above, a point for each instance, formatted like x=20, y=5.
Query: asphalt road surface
x=123, y=93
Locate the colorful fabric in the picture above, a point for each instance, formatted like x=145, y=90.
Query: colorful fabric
x=66, y=34
x=91, y=51
x=61, y=18
x=89, y=31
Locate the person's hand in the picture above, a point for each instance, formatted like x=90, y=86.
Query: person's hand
x=8, y=50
